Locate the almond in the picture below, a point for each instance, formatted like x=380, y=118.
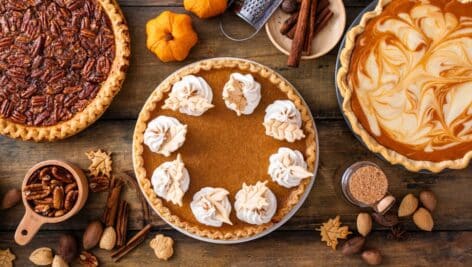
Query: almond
x=428, y=199
x=364, y=223
x=423, y=219
x=408, y=205
x=58, y=261
x=108, y=240
x=372, y=257
x=92, y=234
x=41, y=256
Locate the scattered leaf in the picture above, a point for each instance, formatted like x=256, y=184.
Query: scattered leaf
x=332, y=230
x=101, y=163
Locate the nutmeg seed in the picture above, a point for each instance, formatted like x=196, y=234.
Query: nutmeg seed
x=423, y=219
x=364, y=223
x=428, y=199
x=11, y=198
x=353, y=245
x=67, y=248
x=41, y=256
x=92, y=234
x=372, y=257
x=108, y=240
x=408, y=205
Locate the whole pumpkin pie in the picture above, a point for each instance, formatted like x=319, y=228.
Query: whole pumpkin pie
x=224, y=148
x=406, y=79
x=61, y=64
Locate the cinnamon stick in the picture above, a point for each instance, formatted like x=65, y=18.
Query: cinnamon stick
x=322, y=5
x=291, y=33
x=289, y=23
x=300, y=35
x=122, y=223
x=113, y=200
x=311, y=27
x=323, y=22
x=137, y=239
x=129, y=176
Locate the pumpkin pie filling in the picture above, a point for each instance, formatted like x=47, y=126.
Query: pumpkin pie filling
x=224, y=150
x=411, y=75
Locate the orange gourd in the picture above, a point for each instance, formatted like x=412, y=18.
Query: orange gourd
x=206, y=8
x=170, y=36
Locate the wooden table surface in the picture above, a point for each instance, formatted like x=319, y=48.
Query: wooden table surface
x=296, y=243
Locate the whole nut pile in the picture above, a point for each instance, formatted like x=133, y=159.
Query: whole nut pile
x=51, y=191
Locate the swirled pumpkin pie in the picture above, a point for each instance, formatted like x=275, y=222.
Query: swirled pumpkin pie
x=61, y=64
x=406, y=79
x=224, y=148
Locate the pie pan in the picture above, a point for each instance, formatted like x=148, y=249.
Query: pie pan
x=340, y=98
x=181, y=218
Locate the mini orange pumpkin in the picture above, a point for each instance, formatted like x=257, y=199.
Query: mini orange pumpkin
x=170, y=36
x=206, y=8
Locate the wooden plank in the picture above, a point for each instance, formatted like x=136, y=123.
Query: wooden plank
x=338, y=150
x=172, y=3
x=314, y=78
x=295, y=248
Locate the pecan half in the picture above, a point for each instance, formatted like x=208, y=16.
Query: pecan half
x=99, y=184
x=87, y=259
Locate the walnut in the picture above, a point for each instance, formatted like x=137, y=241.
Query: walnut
x=163, y=246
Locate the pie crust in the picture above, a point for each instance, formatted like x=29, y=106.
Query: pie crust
x=347, y=93
x=109, y=88
x=153, y=105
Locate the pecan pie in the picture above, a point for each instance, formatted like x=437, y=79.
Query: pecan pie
x=406, y=79
x=61, y=63
x=217, y=178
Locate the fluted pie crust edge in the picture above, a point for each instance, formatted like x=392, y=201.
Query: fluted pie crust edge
x=157, y=96
x=346, y=91
x=109, y=88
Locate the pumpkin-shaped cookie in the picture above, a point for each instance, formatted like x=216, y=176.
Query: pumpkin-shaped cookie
x=170, y=36
x=206, y=8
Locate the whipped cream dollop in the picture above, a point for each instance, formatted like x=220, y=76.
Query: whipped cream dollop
x=255, y=204
x=283, y=121
x=171, y=180
x=288, y=168
x=191, y=95
x=242, y=93
x=165, y=135
x=211, y=206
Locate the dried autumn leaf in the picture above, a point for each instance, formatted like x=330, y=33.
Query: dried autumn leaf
x=101, y=163
x=283, y=130
x=332, y=230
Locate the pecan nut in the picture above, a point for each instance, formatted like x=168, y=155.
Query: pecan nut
x=36, y=191
x=99, y=184
x=87, y=259
x=51, y=191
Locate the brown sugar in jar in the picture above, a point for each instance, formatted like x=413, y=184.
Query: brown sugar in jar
x=364, y=184
x=368, y=184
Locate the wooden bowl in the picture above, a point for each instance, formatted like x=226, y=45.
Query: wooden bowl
x=324, y=41
x=32, y=221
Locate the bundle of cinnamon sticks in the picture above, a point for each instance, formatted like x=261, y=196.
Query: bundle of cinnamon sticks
x=303, y=26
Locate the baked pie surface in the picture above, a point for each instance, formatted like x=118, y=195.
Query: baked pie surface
x=223, y=149
x=61, y=64
x=406, y=79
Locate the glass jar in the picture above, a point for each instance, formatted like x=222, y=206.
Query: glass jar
x=382, y=205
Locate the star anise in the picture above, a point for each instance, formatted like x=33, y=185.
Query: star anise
x=398, y=232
